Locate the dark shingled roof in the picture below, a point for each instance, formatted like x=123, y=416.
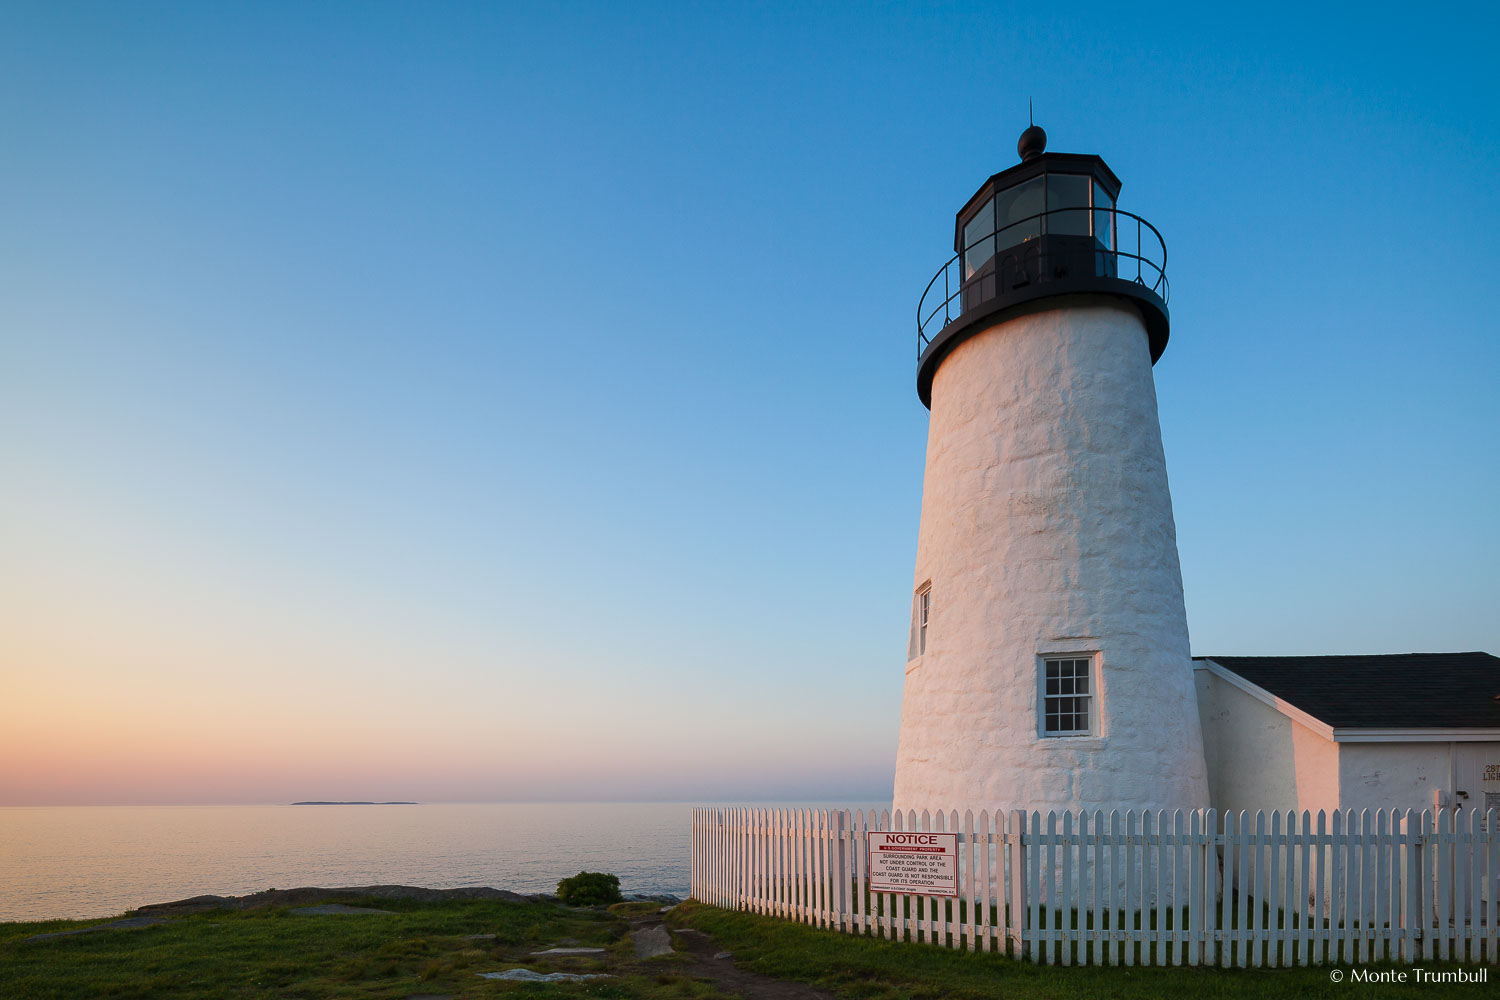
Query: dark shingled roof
x=1401, y=691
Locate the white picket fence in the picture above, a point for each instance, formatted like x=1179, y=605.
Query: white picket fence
x=1152, y=888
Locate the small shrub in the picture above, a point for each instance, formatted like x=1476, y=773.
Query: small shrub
x=589, y=889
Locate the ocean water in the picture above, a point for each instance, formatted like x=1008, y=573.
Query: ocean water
x=93, y=861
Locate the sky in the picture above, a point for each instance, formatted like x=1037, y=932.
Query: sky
x=496, y=402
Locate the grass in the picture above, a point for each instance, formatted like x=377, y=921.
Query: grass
x=870, y=969
x=272, y=953
x=426, y=948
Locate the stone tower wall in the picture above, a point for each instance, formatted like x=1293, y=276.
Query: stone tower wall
x=1047, y=528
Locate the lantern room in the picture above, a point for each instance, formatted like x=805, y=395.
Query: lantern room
x=1047, y=226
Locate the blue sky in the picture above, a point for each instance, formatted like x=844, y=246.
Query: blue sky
x=419, y=389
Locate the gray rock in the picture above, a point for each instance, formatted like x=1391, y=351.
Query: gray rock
x=724, y=954
x=570, y=951
x=294, y=897
x=479, y=937
x=527, y=976
x=652, y=942
x=123, y=924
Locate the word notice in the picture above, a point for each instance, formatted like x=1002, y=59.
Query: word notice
x=921, y=863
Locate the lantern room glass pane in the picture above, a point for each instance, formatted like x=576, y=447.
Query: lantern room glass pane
x=1068, y=191
x=979, y=239
x=1104, y=217
x=1017, y=213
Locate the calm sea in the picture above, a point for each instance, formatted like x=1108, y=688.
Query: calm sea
x=94, y=861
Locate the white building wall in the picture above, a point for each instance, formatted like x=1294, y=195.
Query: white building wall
x=1047, y=528
x=1393, y=775
x=1258, y=758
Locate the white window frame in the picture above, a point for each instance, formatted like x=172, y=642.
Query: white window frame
x=1090, y=675
x=921, y=618
x=924, y=615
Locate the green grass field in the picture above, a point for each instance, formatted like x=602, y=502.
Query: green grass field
x=429, y=948
x=858, y=967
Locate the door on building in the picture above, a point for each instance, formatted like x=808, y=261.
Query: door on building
x=1476, y=776
x=1476, y=771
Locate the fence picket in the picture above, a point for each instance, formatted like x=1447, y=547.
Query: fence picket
x=1034, y=889
x=822, y=841
x=937, y=908
x=825, y=868
x=1474, y=840
x=1288, y=920
x=1181, y=883
x=923, y=930
x=1323, y=904
x=965, y=910
x=785, y=861
x=1460, y=886
x=1353, y=869
x=1382, y=913
x=1395, y=888
x=788, y=862
x=1101, y=938
x=983, y=881
x=1206, y=861
x=1151, y=887
x=1304, y=890
x=814, y=869
x=1444, y=884
x=899, y=907
x=1226, y=903
x=1492, y=876
x=838, y=870
x=1193, y=924
x=794, y=865
x=1084, y=932
x=859, y=907
x=887, y=899
x=1016, y=884
x=1360, y=893
x=1066, y=899
x=817, y=850
x=767, y=861
x=1411, y=887
x=1427, y=897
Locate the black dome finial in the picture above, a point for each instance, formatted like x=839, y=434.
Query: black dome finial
x=1033, y=142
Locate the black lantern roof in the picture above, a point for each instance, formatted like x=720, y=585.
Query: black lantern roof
x=1045, y=227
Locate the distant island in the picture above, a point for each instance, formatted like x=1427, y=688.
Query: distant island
x=356, y=803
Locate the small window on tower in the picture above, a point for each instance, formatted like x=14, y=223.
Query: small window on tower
x=1068, y=696
x=921, y=611
x=924, y=607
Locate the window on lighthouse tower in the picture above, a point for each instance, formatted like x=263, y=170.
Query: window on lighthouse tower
x=921, y=610
x=1067, y=696
x=924, y=607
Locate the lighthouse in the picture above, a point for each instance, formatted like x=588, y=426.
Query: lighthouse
x=1048, y=665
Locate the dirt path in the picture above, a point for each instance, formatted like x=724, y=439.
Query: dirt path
x=723, y=972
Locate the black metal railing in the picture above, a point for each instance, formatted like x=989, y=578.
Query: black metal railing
x=1039, y=259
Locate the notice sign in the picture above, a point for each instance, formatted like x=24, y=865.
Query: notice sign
x=921, y=863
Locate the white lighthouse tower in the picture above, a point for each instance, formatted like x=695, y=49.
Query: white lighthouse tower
x=1048, y=666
